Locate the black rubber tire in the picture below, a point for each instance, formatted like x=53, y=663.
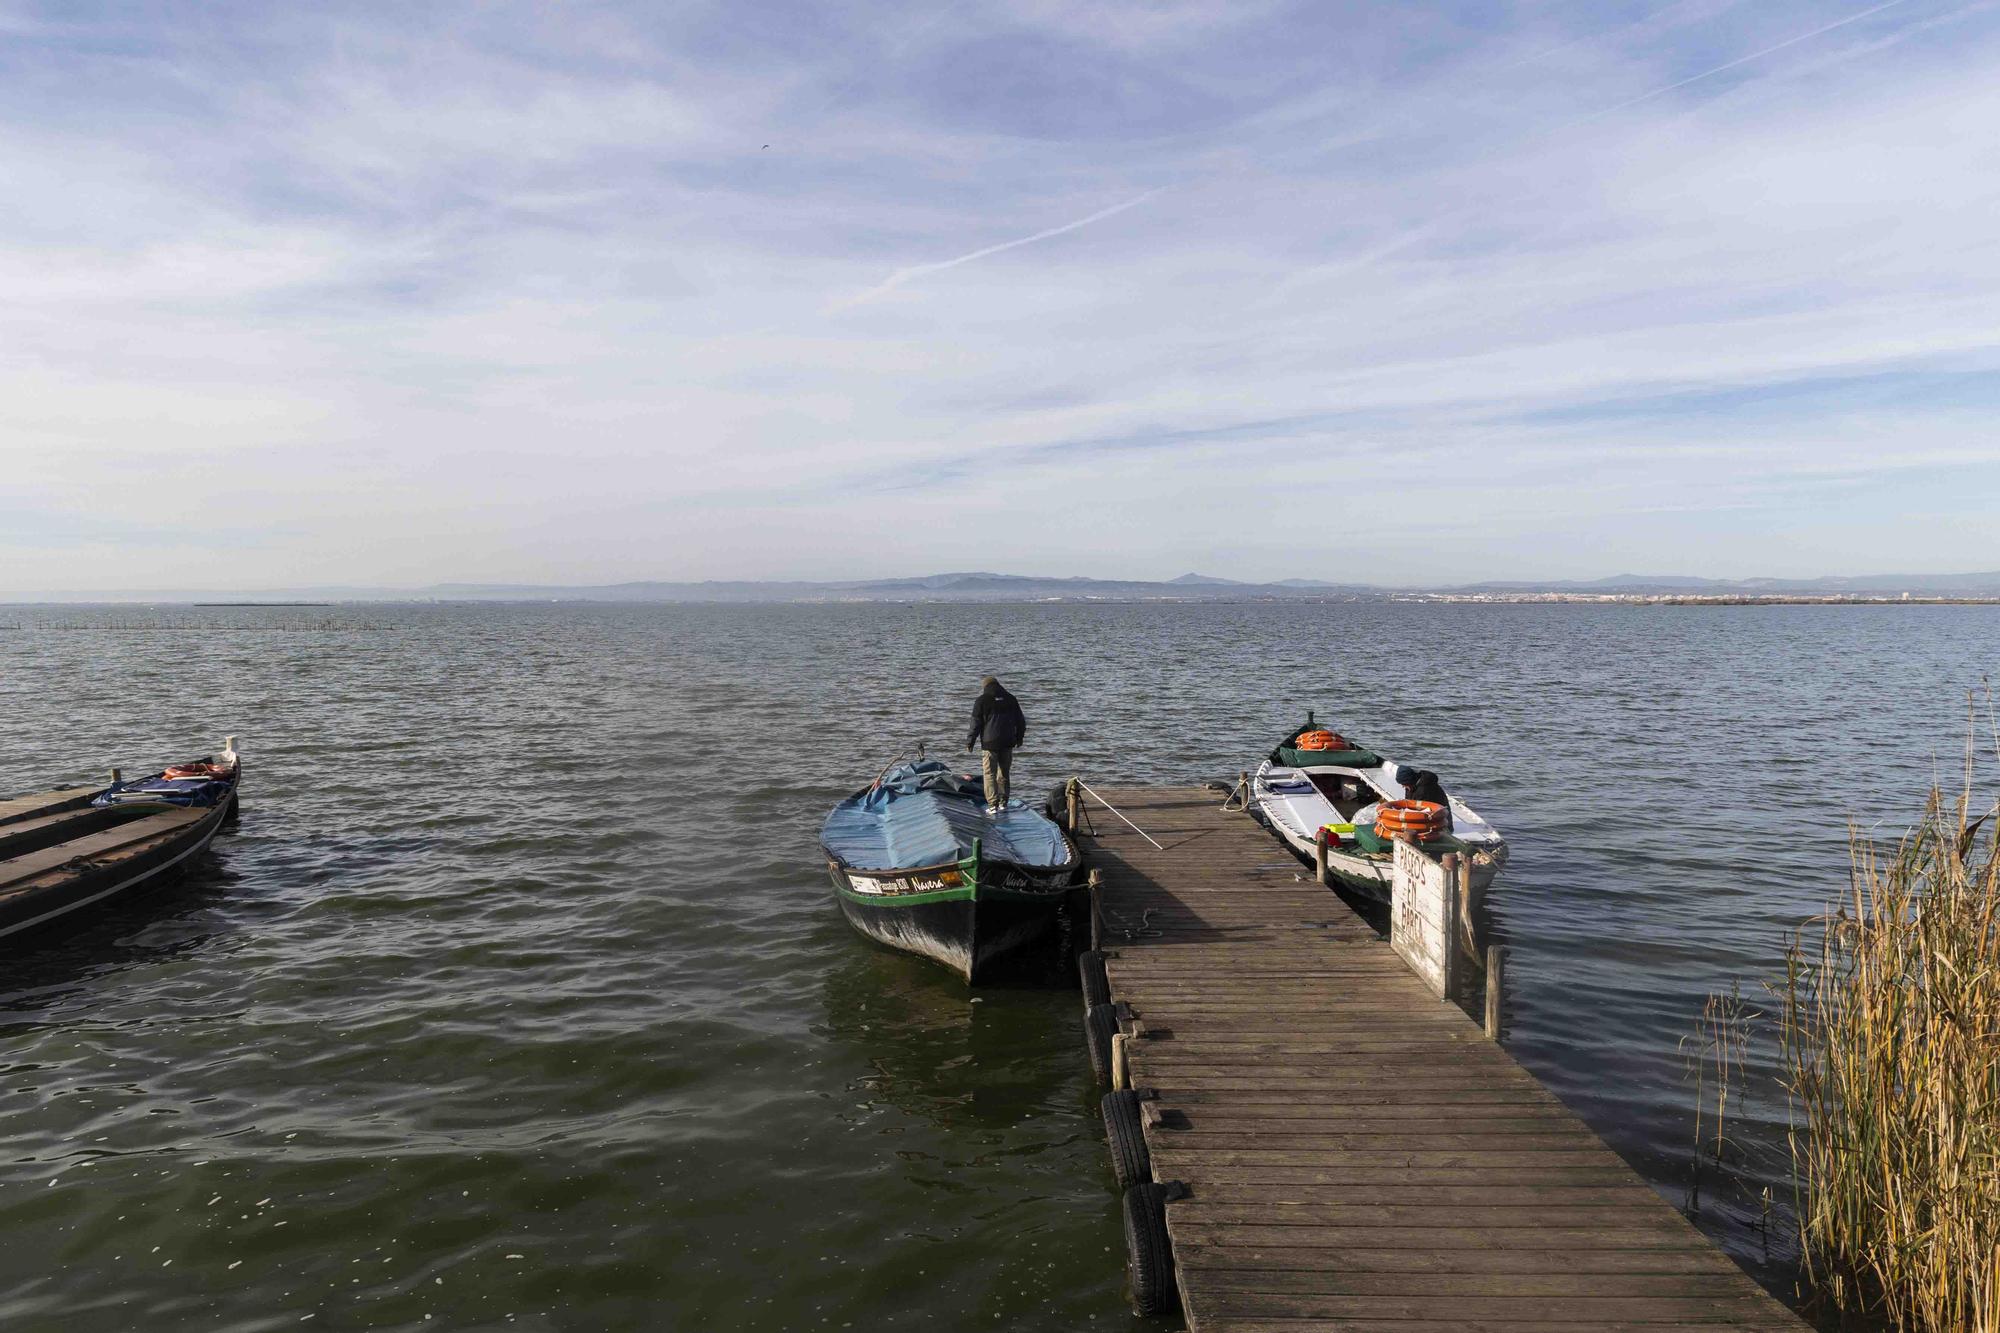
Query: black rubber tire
x=1125, y=1133
x=1096, y=986
x=1149, y=1255
x=1100, y=1025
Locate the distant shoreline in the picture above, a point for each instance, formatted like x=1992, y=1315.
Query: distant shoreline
x=1699, y=599
x=1405, y=599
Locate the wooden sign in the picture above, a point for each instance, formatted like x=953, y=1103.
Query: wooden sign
x=1423, y=909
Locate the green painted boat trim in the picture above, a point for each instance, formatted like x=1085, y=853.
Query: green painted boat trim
x=953, y=895
x=960, y=895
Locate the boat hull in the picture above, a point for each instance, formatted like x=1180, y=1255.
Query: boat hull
x=1295, y=816
x=102, y=882
x=1370, y=877
x=934, y=913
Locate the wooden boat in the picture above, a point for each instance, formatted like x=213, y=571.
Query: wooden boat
x=920, y=865
x=62, y=852
x=1299, y=792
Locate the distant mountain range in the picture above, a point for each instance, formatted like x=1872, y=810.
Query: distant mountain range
x=988, y=587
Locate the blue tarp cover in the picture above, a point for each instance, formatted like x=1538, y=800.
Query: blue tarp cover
x=172, y=791
x=922, y=814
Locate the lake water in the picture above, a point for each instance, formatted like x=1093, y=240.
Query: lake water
x=518, y=998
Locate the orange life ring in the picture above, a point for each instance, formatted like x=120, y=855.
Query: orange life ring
x=1410, y=810
x=1421, y=821
x=1321, y=740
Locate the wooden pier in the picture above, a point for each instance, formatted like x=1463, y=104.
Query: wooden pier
x=1356, y=1155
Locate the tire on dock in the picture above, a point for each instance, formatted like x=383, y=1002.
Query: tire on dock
x=1124, y=1132
x=1100, y=1025
x=1149, y=1255
x=1096, y=985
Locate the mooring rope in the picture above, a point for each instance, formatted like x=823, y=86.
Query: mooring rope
x=1116, y=811
x=900, y=756
x=1144, y=930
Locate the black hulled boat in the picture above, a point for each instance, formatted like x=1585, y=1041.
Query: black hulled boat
x=65, y=852
x=919, y=864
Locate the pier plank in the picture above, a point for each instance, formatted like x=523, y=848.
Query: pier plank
x=1356, y=1154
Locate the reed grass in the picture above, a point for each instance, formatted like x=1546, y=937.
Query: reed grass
x=1889, y=1027
x=1713, y=1056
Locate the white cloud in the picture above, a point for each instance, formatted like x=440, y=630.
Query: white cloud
x=470, y=275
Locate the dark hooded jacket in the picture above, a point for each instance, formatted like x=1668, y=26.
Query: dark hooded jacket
x=1420, y=784
x=997, y=720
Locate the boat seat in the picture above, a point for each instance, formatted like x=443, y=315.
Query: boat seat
x=33, y=865
x=27, y=835
x=17, y=808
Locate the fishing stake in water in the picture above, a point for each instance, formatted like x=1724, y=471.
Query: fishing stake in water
x=1114, y=810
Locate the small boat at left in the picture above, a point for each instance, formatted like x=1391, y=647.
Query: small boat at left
x=65, y=851
x=919, y=863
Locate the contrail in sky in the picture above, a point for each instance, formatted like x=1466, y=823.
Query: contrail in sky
x=905, y=275
x=1754, y=55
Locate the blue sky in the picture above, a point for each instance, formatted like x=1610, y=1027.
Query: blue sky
x=1395, y=292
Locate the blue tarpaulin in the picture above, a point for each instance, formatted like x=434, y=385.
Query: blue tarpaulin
x=923, y=814
x=171, y=791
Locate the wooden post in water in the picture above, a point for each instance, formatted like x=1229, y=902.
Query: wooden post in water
x=117, y=776
x=1095, y=888
x=1496, y=966
x=1319, y=856
x=1073, y=805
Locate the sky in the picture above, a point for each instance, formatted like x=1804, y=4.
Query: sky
x=1400, y=293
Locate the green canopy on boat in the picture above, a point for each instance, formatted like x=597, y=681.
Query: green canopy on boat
x=1292, y=758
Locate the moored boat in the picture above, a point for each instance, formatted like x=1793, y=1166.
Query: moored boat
x=920, y=864
x=1317, y=784
x=63, y=852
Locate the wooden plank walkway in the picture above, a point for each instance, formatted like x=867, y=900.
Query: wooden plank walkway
x=1357, y=1154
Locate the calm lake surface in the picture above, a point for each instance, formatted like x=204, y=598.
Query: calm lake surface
x=519, y=999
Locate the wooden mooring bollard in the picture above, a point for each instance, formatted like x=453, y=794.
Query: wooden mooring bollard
x=1496, y=967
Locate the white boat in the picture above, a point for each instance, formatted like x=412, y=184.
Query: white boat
x=1298, y=793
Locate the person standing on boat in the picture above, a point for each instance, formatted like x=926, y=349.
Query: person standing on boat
x=998, y=726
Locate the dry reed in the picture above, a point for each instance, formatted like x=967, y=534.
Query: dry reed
x=1713, y=1055
x=1890, y=1033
